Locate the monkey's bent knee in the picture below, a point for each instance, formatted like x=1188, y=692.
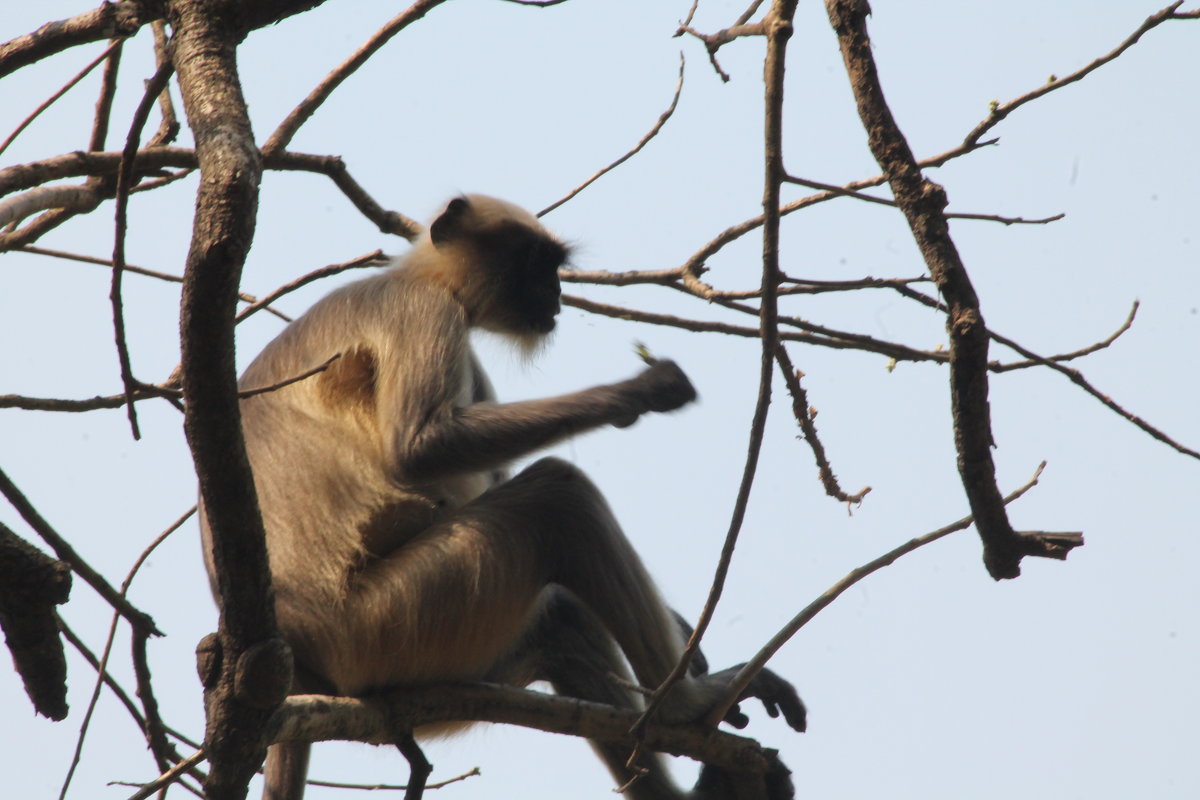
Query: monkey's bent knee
x=553, y=469
x=551, y=478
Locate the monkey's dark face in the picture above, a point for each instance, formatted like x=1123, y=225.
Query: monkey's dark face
x=522, y=266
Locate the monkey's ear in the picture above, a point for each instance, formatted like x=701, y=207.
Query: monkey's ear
x=448, y=225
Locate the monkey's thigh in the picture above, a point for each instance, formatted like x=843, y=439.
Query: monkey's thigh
x=454, y=600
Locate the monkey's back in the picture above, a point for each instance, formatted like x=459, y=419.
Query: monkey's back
x=325, y=485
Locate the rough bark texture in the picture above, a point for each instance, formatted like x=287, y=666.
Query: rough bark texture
x=923, y=203
x=207, y=33
x=31, y=585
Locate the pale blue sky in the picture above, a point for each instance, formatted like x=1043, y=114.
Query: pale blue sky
x=927, y=681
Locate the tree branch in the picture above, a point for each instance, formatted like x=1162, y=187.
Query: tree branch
x=278, y=141
x=204, y=35
x=922, y=203
x=139, y=619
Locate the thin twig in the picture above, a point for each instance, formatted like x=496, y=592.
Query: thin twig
x=1080, y=353
x=862, y=341
x=805, y=286
x=372, y=259
x=168, y=126
x=121, y=695
x=883, y=201
x=778, y=29
x=143, y=392
x=63, y=550
x=629, y=278
x=650, y=134
x=108, y=90
x=150, y=273
x=124, y=181
x=335, y=169
x=1076, y=377
x=804, y=416
x=103, y=674
x=288, y=382
x=278, y=141
x=170, y=776
x=373, y=787
x=999, y=112
x=106, y=651
x=866, y=344
x=159, y=182
x=83, y=73
x=747, y=673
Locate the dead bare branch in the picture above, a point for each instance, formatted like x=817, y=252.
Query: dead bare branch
x=922, y=203
x=804, y=414
x=999, y=112
x=140, y=620
x=83, y=73
x=883, y=201
x=650, y=134
x=150, y=273
x=124, y=181
x=278, y=141
x=756, y=664
x=110, y=21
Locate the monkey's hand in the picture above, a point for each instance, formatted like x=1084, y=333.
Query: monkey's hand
x=660, y=387
x=777, y=695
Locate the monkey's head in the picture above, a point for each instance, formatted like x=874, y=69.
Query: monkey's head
x=500, y=263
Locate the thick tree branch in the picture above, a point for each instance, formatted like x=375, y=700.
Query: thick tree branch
x=322, y=718
x=109, y=21
x=116, y=20
x=205, y=37
x=923, y=204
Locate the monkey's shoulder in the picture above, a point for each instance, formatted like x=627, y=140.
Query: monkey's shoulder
x=386, y=329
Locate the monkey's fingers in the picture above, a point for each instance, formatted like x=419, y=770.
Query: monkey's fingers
x=779, y=697
x=736, y=718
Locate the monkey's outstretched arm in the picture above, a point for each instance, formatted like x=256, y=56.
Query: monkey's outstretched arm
x=486, y=435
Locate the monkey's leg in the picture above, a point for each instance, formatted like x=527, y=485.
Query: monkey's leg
x=285, y=770
x=286, y=767
x=567, y=645
x=458, y=600
x=579, y=545
x=451, y=602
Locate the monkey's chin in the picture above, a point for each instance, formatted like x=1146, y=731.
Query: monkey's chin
x=530, y=344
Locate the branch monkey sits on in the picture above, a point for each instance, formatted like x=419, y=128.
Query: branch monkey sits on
x=401, y=552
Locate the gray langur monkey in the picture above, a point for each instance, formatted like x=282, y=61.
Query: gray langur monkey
x=400, y=551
